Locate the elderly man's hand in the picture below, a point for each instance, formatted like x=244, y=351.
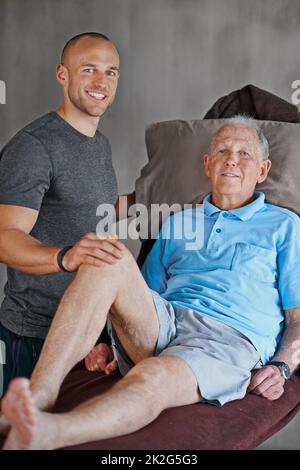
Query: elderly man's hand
x=101, y=358
x=267, y=382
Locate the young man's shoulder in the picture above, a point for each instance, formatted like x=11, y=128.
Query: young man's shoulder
x=31, y=132
x=39, y=123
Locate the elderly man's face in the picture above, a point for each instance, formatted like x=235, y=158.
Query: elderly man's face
x=235, y=163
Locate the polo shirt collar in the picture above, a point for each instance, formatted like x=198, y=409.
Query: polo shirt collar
x=242, y=213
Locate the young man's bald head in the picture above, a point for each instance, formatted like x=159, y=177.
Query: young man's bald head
x=74, y=40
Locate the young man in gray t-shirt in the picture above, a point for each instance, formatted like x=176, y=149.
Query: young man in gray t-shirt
x=54, y=174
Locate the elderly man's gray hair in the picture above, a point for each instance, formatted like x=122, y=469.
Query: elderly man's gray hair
x=242, y=119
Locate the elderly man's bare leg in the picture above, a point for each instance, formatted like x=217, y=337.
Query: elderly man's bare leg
x=81, y=317
x=153, y=385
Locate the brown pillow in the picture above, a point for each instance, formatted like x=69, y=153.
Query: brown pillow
x=175, y=174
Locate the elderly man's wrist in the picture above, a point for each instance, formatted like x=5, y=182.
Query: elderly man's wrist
x=283, y=367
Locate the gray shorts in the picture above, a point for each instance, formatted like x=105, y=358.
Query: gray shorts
x=220, y=357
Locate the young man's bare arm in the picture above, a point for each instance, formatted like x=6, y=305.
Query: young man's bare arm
x=21, y=251
x=18, y=249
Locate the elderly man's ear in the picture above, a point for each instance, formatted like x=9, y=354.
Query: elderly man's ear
x=265, y=168
x=206, y=164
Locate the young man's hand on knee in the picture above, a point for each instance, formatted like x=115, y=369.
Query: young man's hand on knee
x=95, y=250
x=101, y=358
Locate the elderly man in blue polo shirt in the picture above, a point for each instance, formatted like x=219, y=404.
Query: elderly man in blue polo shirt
x=205, y=321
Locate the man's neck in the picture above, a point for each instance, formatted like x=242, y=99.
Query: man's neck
x=230, y=202
x=86, y=125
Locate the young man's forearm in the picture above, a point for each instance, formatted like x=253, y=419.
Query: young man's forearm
x=24, y=253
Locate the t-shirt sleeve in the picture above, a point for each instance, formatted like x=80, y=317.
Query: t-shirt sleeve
x=289, y=267
x=25, y=172
x=154, y=269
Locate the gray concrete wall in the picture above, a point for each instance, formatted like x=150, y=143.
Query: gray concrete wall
x=178, y=57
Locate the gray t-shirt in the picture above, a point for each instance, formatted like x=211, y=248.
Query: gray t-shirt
x=51, y=167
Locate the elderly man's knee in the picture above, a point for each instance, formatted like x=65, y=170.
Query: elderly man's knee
x=122, y=264
x=167, y=380
x=148, y=379
x=150, y=373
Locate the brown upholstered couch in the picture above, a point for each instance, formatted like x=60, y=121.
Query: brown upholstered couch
x=242, y=424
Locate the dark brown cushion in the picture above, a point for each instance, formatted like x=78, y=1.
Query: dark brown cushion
x=239, y=425
x=242, y=424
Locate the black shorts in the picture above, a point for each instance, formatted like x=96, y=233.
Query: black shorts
x=19, y=355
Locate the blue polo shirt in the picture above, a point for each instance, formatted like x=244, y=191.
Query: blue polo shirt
x=246, y=273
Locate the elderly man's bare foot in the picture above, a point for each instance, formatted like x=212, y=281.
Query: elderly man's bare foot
x=43, y=401
x=101, y=357
x=30, y=427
